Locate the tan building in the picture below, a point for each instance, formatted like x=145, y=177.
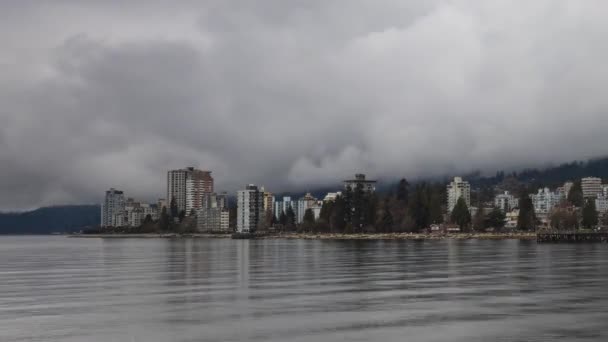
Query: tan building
x=591, y=186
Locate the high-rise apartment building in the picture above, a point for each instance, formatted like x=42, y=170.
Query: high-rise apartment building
x=456, y=189
x=281, y=206
x=213, y=216
x=366, y=184
x=304, y=203
x=591, y=186
x=187, y=186
x=269, y=202
x=250, y=209
x=113, y=209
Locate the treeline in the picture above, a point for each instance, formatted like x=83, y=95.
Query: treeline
x=549, y=177
x=47, y=220
x=404, y=209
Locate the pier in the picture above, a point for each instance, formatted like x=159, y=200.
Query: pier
x=571, y=237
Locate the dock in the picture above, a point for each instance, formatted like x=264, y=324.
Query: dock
x=571, y=237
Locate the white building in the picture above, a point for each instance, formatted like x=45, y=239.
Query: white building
x=250, y=209
x=601, y=204
x=331, y=196
x=367, y=185
x=545, y=200
x=187, y=187
x=591, y=186
x=304, y=203
x=113, y=209
x=280, y=207
x=505, y=202
x=456, y=189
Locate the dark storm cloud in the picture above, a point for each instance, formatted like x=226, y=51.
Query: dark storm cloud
x=290, y=94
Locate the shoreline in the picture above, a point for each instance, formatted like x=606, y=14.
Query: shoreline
x=327, y=236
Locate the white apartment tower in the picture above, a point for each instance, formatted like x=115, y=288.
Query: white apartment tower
x=113, y=208
x=456, y=189
x=250, y=209
x=591, y=186
x=187, y=186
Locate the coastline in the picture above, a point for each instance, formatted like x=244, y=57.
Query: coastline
x=327, y=236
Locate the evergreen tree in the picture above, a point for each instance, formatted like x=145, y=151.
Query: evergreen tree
x=420, y=207
x=479, y=220
x=575, y=196
x=181, y=215
x=527, y=217
x=309, y=219
x=386, y=222
x=403, y=192
x=164, y=221
x=148, y=219
x=461, y=215
x=338, y=215
x=590, y=219
x=291, y=217
x=283, y=218
x=496, y=219
x=174, y=210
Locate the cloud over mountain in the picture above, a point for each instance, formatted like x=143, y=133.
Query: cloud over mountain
x=291, y=94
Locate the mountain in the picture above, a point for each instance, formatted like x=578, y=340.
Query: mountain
x=47, y=220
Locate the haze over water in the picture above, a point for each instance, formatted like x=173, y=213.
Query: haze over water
x=58, y=289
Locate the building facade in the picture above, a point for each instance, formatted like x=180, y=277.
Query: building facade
x=592, y=186
x=186, y=187
x=359, y=180
x=505, y=202
x=213, y=216
x=113, y=209
x=544, y=201
x=308, y=201
x=198, y=183
x=250, y=209
x=456, y=189
x=281, y=207
x=269, y=202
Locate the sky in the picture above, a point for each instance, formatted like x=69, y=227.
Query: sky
x=291, y=95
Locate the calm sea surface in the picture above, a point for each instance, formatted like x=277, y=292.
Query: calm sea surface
x=186, y=290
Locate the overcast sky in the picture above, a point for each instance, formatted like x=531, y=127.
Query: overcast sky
x=291, y=94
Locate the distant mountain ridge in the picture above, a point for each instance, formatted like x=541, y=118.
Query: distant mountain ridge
x=48, y=220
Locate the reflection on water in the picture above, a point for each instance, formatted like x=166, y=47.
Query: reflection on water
x=58, y=289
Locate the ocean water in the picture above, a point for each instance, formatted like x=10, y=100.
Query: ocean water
x=54, y=288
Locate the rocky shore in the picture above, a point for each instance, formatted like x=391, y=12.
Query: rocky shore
x=311, y=236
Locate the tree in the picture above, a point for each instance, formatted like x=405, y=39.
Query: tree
x=148, y=219
x=174, y=210
x=562, y=219
x=338, y=215
x=308, y=222
x=283, y=218
x=461, y=215
x=527, y=217
x=575, y=196
x=590, y=219
x=291, y=217
x=420, y=207
x=479, y=220
x=403, y=192
x=496, y=219
x=164, y=221
x=181, y=215
x=386, y=222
